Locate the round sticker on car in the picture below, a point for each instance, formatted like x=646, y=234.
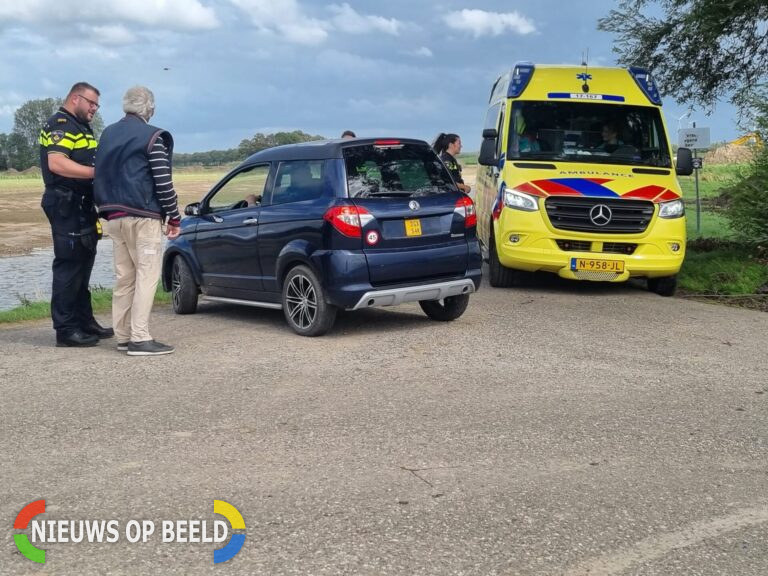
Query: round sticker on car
x=372, y=237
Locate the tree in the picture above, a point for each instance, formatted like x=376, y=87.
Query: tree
x=700, y=50
x=27, y=122
x=30, y=117
x=746, y=201
x=15, y=153
x=261, y=141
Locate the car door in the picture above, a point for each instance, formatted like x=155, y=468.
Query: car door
x=225, y=241
x=292, y=213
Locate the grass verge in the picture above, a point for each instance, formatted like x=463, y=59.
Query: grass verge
x=717, y=267
x=101, y=298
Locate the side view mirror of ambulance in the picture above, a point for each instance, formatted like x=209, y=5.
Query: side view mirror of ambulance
x=487, y=155
x=684, y=162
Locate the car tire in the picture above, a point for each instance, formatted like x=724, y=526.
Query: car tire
x=665, y=286
x=499, y=276
x=183, y=287
x=304, y=305
x=446, y=309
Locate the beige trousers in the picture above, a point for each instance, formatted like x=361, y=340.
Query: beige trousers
x=138, y=256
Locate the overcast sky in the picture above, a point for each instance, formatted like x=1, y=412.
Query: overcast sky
x=222, y=70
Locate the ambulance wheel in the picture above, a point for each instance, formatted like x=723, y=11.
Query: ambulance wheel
x=498, y=275
x=446, y=309
x=183, y=287
x=665, y=286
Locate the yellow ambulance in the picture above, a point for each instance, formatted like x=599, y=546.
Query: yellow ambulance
x=577, y=178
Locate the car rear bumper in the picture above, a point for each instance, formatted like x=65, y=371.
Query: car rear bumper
x=395, y=296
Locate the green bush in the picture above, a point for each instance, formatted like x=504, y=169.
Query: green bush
x=746, y=202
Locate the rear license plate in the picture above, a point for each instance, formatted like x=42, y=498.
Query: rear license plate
x=595, y=265
x=413, y=227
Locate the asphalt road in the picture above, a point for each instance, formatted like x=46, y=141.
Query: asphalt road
x=557, y=429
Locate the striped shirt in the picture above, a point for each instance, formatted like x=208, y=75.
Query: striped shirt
x=161, y=172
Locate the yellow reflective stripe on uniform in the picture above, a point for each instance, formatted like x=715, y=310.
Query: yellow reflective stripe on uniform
x=65, y=143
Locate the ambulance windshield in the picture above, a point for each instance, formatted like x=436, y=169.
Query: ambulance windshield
x=567, y=131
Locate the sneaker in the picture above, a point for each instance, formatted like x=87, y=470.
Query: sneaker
x=122, y=346
x=148, y=348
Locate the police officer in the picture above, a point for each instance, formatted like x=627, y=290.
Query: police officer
x=67, y=149
x=448, y=146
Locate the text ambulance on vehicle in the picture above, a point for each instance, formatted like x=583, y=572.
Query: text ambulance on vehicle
x=577, y=178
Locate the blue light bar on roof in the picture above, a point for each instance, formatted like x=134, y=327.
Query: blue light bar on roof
x=645, y=82
x=521, y=75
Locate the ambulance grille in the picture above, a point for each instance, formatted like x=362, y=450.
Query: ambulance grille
x=573, y=213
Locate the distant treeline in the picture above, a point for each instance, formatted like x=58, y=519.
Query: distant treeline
x=19, y=149
x=245, y=148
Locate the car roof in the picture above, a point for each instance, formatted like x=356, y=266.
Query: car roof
x=320, y=149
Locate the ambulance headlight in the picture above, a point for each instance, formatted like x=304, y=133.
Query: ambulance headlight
x=520, y=200
x=673, y=209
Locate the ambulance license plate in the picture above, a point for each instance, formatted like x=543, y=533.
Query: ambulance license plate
x=413, y=227
x=596, y=265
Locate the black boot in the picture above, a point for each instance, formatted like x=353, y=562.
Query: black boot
x=76, y=338
x=98, y=330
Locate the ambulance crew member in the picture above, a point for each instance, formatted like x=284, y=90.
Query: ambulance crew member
x=67, y=149
x=447, y=147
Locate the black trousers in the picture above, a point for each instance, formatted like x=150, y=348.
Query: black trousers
x=72, y=263
x=70, y=296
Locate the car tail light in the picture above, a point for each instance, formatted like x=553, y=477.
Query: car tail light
x=387, y=144
x=349, y=220
x=466, y=208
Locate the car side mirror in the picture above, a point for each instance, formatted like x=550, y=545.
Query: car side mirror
x=192, y=209
x=684, y=162
x=488, y=151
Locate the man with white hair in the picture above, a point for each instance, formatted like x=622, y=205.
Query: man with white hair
x=134, y=192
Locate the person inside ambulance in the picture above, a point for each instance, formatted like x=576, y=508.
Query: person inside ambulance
x=610, y=136
x=526, y=136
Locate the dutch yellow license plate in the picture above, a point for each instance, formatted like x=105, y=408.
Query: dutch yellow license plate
x=595, y=265
x=413, y=227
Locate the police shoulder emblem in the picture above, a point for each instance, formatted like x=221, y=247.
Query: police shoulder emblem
x=57, y=135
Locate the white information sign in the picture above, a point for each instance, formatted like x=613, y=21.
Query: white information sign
x=693, y=138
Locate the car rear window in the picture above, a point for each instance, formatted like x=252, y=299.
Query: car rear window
x=395, y=169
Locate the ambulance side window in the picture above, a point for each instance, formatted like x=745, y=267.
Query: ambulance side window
x=500, y=137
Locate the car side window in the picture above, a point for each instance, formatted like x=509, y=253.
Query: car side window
x=298, y=180
x=242, y=190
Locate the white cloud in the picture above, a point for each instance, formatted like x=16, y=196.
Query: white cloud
x=422, y=52
x=480, y=22
x=168, y=14
x=112, y=35
x=289, y=19
x=284, y=18
x=84, y=52
x=347, y=19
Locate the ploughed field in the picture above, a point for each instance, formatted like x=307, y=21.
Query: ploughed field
x=23, y=225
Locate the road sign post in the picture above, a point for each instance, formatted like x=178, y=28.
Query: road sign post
x=695, y=139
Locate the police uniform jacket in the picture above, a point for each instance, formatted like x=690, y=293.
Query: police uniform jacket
x=453, y=167
x=68, y=202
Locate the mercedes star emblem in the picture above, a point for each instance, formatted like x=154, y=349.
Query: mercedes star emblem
x=600, y=215
x=413, y=205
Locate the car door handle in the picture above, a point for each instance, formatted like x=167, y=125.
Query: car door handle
x=250, y=221
x=217, y=219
